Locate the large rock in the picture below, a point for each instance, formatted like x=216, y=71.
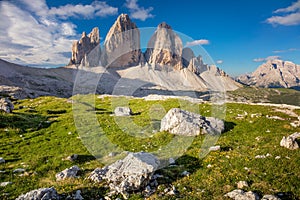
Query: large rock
x=122, y=111
x=88, y=44
x=290, y=141
x=6, y=105
x=181, y=122
x=122, y=44
x=130, y=174
x=68, y=173
x=241, y=195
x=274, y=73
x=40, y=194
x=164, y=48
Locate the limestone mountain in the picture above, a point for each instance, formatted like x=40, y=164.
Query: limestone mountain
x=164, y=48
x=274, y=73
x=88, y=44
x=122, y=44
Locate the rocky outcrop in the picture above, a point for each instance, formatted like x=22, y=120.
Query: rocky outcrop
x=181, y=122
x=132, y=173
x=86, y=51
x=122, y=44
x=40, y=194
x=68, y=173
x=290, y=141
x=6, y=105
x=241, y=195
x=274, y=73
x=164, y=48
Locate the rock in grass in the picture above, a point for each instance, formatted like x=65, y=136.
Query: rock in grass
x=4, y=184
x=122, y=111
x=290, y=141
x=40, y=194
x=19, y=170
x=270, y=197
x=132, y=173
x=6, y=105
x=215, y=148
x=181, y=122
x=2, y=160
x=68, y=173
x=242, y=184
x=241, y=195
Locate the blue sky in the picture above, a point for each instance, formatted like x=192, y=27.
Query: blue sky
x=239, y=35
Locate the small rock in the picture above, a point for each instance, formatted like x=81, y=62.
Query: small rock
x=209, y=166
x=68, y=173
x=122, y=111
x=19, y=170
x=215, y=148
x=3, y=184
x=185, y=173
x=241, y=195
x=277, y=157
x=270, y=197
x=260, y=156
x=171, y=161
x=242, y=184
x=78, y=195
x=289, y=142
x=2, y=160
x=6, y=105
x=40, y=194
x=112, y=154
x=72, y=157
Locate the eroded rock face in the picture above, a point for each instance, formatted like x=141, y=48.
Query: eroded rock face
x=122, y=44
x=181, y=122
x=130, y=174
x=164, y=48
x=40, y=194
x=87, y=44
x=6, y=105
x=274, y=73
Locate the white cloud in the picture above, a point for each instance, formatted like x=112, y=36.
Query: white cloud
x=290, y=15
x=30, y=35
x=97, y=8
x=137, y=12
x=266, y=59
x=197, y=42
x=287, y=50
x=219, y=62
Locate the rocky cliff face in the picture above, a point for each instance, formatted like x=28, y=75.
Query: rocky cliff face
x=274, y=73
x=164, y=48
x=122, y=44
x=82, y=48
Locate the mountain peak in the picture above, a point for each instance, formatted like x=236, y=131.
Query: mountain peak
x=164, y=25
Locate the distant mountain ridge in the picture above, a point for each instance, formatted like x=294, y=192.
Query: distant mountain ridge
x=274, y=74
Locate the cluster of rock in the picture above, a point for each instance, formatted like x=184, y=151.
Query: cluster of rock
x=132, y=173
x=239, y=194
x=6, y=105
x=181, y=122
x=40, y=194
x=290, y=141
x=274, y=73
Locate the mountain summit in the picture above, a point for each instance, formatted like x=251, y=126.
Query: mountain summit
x=274, y=73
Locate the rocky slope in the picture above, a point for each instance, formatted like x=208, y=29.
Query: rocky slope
x=274, y=73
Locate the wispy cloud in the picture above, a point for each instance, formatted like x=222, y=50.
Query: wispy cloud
x=96, y=8
x=266, y=59
x=33, y=33
x=219, y=62
x=197, y=42
x=286, y=50
x=137, y=12
x=289, y=15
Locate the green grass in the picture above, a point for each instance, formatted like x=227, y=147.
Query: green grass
x=41, y=132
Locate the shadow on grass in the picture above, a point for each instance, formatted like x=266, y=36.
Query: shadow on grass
x=84, y=158
x=228, y=126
